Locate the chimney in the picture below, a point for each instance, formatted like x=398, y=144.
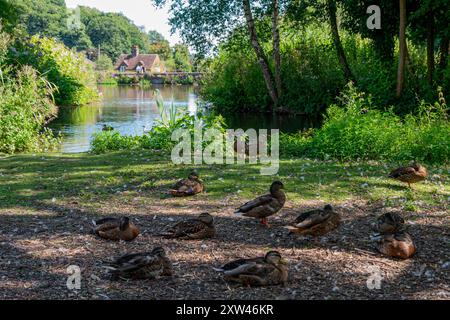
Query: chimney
x=135, y=51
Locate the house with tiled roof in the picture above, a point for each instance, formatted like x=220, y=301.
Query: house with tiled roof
x=139, y=63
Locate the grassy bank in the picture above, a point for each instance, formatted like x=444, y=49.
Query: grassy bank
x=26, y=180
x=47, y=203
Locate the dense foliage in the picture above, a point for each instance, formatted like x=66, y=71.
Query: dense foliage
x=26, y=104
x=160, y=136
x=312, y=76
x=356, y=130
x=89, y=29
x=69, y=71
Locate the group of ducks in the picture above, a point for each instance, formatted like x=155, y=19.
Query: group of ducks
x=391, y=238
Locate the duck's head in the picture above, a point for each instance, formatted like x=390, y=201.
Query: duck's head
x=274, y=257
x=206, y=218
x=328, y=207
x=276, y=186
x=391, y=218
x=194, y=175
x=159, y=251
x=124, y=223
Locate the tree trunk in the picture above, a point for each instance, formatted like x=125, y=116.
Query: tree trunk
x=332, y=8
x=445, y=43
x=276, y=46
x=262, y=59
x=403, y=49
x=430, y=47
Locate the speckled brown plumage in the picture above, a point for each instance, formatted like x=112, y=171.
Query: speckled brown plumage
x=148, y=265
x=188, y=187
x=116, y=229
x=192, y=229
x=410, y=174
x=316, y=222
x=261, y=271
x=397, y=245
x=390, y=222
x=264, y=206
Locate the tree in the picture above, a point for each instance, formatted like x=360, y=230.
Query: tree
x=104, y=63
x=9, y=14
x=182, y=58
x=159, y=45
x=113, y=32
x=205, y=22
x=403, y=49
x=276, y=46
x=261, y=56
x=428, y=22
x=354, y=18
x=332, y=8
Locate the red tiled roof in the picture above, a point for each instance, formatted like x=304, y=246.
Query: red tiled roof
x=146, y=59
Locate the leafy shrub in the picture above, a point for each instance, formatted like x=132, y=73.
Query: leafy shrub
x=69, y=71
x=160, y=137
x=359, y=131
x=25, y=107
x=105, y=77
x=311, y=73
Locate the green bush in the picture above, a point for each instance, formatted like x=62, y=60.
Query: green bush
x=25, y=107
x=311, y=73
x=69, y=71
x=357, y=130
x=159, y=138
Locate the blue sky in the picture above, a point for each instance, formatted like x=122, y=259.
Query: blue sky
x=142, y=12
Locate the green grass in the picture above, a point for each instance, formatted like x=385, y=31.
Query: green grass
x=34, y=180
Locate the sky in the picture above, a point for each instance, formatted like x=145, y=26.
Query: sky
x=142, y=12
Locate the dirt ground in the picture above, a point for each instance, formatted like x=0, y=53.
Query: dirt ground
x=37, y=249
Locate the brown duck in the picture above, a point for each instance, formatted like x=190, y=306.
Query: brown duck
x=264, y=206
x=116, y=229
x=188, y=187
x=316, y=222
x=411, y=174
x=261, y=271
x=191, y=229
x=397, y=245
x=390, y=222
x=148, y=265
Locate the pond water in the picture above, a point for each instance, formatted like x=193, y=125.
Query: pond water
x=131, y=109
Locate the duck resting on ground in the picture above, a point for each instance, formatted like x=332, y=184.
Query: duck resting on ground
x=116, y=229
x=316, y=222
x=149, y=265
x=390, y=222
x=264, y=206
x=192, y=229
x=397, y=245
x=410, y=174
x=261, y=271
x=188, y=187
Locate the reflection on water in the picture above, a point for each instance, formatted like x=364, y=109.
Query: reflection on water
x=130, y=109
x=126, y=108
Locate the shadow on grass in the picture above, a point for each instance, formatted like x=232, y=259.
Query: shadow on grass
x=31, y=183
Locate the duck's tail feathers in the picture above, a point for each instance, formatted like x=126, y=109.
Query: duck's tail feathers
x=239, y=213
x=109, y=268
x=218, y=269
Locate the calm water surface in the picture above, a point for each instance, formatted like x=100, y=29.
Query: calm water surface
x=130, y=109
